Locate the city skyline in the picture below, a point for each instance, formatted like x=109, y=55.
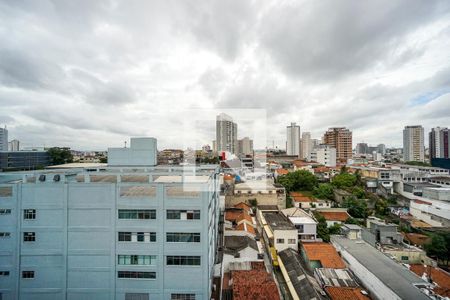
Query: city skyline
x=119, y=73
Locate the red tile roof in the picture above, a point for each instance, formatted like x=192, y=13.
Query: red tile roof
x=254, y=285
x=422, y=202
x=243, y=206
x=322, y=169
x=325, y=253
x=335, y=215
x=282, y=171
x=345, y=293
x=439, y=277
x=237, y=216
x=246, y=227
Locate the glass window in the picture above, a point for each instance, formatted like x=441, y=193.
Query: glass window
x=27, y=274
x=182, y=237
x=29, y=214
x=291, y=241
x=405, y=258
x=4, y=273
x=183, y=214
x=142, y=260
x=152, y=236
x=137, y=214
x=29, y=236
x=280, y=241
x=182, y=297
x=136, y=275
x=124, y=236
x=183, y=260
x=140, y=236
x=5, y=211
x=5, y=234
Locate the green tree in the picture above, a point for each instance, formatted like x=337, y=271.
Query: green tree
x=381, y=207
x=344, y=180
x=358, y=192
x=438, y=248
x=298, y=180
x=322, y=227
x=324, y=191
x=60, y=156
x=357, y=208
x=335, y=229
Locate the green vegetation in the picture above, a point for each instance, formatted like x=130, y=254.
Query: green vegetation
x=358, y=192
x=418, y=163
x=344, y=180
x=324, y=191
x=323, y=231
x=357, y=208
x=289, y=202
x=439, y=247
x=298, y=180
x=59, y=156
x=253, y=202
x=103, y=160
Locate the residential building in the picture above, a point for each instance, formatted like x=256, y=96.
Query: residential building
x=382, y=276
x=334, y=216
x=170, y=157
x=340, y=284
x=245, y=146
x=308, y=202
x=307, y=145
x=226, y=134
x=278, y=231
x=324, y=155
x=293, y=140
x=3, y=139
x=306, y=225
x=109, y=233
x=265, y=192
x=379, y=232
x=23, y=160
x=439, y=277
x=351, y=231
x=439, y=143
x=240, y=249
x=14, y=145
x=340, y=138
x=413, y=143
x=321, y=255
x=381, y=148
x=300, y=284
x=249, y=281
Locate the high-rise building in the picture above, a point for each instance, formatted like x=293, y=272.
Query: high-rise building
x=109, y=233
x=307, y=145
x=438, y=143
x=381, y=148
x=14, y=145
x=245, y=146
x=293, y=140
x=226, y=134
x=362, y=148
x=413, y=143
x=341, y=139
x=3, y=139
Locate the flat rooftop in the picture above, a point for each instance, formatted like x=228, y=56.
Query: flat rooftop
x=399, y=279
x=277, y=221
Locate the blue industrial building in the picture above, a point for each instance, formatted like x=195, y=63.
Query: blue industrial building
x=131, y=233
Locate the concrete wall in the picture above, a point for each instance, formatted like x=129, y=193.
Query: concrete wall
x=262, y=199
x=286, y=235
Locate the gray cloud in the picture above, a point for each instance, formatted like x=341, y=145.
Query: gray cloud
x=335, y=39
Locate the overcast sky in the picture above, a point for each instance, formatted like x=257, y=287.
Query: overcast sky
x=89, y=74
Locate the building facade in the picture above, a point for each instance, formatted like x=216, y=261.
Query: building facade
x=439, y=143
x=341, y=139
x=324, y=155
x=413, y=143
x=245, y=146
x=14, y=145
x=293, y=139
x=307, y=145
x=3, y=139
x=362, y=148
x=110, y=233
x=23, y=160
x=226, y=134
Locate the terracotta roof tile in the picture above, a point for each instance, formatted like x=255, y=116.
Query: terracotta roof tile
x=345, y=293
x=253, y=285
x=439, y=277
x=244, y=206
x=303, y=199
x=421, y=202
x=246, y=227
x=335, y=215
x=325, y=253
x=281, y=171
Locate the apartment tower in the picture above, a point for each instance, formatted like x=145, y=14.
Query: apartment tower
x=293, y=139
x=341, y=139
x=226, y=134
x=413, y=143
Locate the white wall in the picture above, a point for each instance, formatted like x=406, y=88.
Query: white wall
x=286, y=235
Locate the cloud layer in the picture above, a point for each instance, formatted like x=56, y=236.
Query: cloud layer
x=91, y=74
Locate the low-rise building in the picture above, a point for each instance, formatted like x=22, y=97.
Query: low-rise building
x=23, y=160
x=240, y=249
x=265, y=192
x=382, y=276
x=278, y=231
x=379, y=232
x=321, y=255
x=334, y=215
x=351, y=231
x=300, y=284
x=306, y=225
x=439, y=278
x=300, y=200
